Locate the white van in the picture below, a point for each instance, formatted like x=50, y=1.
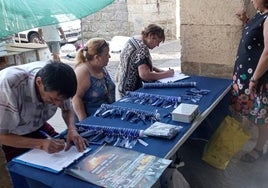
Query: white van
x=71, y=29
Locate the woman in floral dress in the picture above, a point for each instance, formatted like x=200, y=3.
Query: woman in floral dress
x=250, y=78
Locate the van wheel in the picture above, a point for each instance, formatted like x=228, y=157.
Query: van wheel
x=34, y=38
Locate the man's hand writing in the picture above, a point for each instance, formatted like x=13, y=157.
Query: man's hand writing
x=53, y=145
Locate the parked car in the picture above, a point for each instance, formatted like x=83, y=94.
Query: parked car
x=71, y=29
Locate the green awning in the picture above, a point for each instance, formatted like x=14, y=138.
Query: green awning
x=20, y=15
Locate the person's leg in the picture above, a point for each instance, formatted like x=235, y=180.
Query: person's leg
x=257, y=151
x=262, y=137
x=55, y=50
x=5, y=177
x=56, y=57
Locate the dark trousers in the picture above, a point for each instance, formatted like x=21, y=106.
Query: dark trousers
x=11, y=152
x=4, y=178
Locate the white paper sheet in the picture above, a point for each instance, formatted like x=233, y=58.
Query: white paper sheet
x=177, y=76
x=52, y=162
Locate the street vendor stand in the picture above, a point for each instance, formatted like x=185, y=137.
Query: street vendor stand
x=21, y=53
x=164, y=148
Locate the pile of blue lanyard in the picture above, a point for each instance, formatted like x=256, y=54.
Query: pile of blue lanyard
x=116, y=136
x=127, y=114
x=168, y=85
x=161, y=101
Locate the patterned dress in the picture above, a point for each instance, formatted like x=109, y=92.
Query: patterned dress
x=101, y=91
x=251, y=46
x=134, y=54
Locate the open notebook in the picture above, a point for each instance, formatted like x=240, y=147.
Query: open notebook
x=177, y=76
x=51, y=162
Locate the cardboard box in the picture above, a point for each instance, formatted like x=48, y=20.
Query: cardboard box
x=185, y=113
x=43, y=54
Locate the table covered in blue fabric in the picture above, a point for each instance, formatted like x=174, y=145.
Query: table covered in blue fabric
x=156, y=146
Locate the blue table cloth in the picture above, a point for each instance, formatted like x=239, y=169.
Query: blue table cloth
x=156, y=146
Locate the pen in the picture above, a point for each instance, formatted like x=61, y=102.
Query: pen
x=45, y=134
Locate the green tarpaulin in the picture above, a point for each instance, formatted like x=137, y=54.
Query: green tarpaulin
x=20, y=15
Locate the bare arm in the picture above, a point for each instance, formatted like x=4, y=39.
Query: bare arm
x=62, y=33
x=157, y=69
x=40, y=33
x=83, y=83
x=49, y=145
x=262, y=66
x=72, y=135
x=147, y=75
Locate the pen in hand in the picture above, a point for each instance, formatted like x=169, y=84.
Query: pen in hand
x=45, y=134
x=54, y=145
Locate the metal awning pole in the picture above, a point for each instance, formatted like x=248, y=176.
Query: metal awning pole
x=82, y=36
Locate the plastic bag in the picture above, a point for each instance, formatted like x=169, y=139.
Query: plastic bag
x=162, y=130
x=227, y=140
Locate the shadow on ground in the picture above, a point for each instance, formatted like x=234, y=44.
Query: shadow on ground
x=237, y=174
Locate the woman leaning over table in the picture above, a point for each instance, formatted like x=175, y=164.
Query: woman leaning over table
x=136, y=63
x=95, y=85
x=250, y=78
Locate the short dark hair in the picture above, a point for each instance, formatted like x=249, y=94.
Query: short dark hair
x=59, y=77
x=154, y=29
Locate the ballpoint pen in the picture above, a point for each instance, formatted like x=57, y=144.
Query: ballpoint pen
x=45, y=134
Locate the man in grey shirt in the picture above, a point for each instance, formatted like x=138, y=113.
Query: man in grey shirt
x=30, y=95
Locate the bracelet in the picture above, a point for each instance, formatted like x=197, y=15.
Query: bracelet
x=253, y=80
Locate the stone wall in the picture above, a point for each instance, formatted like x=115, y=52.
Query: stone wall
x=161, y=12
x=129, y=17
x=210, y=34
x=209, y=30
x=109, y=22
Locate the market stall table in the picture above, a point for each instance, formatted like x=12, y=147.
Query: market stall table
x=163, y=148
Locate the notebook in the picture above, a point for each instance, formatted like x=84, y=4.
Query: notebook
x=177, y=76
x=55, y=162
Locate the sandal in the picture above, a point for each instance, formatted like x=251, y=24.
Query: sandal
x=250, y=158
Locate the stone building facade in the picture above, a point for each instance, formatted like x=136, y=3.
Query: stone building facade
x=129, y=17
x=208, y=30
x=210, y=34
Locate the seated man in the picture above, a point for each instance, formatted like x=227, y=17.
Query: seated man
x=30, y=95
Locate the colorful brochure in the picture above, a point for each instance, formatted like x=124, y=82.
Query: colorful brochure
x=114, y=167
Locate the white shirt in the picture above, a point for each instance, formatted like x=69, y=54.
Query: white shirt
x=51, y=33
